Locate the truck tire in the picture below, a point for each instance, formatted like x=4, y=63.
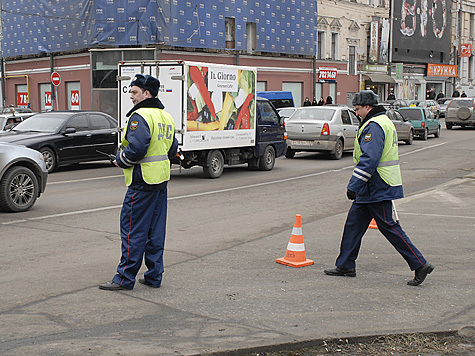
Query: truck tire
x=267, y=160
x=215, y=165
x=18, y=189
x=290, y=153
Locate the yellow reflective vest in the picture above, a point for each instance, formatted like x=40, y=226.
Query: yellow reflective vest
x=389, y=169
x=155, y=165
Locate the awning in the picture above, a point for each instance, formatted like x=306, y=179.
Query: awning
x=379, y=78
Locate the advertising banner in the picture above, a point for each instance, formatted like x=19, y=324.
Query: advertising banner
x=221, y=101
x=374, y=45
x=465, y=50
x=22, y=99
x=441, y=70
x=421, y=31
x=327, y=73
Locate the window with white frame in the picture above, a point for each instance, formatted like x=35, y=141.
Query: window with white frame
x=334, y=48
x=352, y=60
x=320, y=45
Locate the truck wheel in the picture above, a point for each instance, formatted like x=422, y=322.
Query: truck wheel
x=18, y=189
x=338, y=151
x=215, y=165
x=267, y=160
x=290, y=153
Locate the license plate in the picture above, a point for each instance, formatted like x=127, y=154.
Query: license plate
x=303, y=143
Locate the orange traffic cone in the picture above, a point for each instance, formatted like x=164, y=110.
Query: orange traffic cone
x=373, y=225
x=295, y=255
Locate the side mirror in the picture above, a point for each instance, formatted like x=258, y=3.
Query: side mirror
x=69, y=130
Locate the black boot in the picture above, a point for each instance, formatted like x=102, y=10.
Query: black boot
x=341, y=272
x=421, y=274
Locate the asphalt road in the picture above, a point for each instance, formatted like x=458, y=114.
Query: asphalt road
x=222, y=288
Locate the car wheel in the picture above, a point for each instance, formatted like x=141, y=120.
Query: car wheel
x=215, y=165
x=426, y=133
x=18, y=189
x=437, y=133
x=50, y=158
x=411, y=138
x=338, y=151
x=267, y=160
x=290, y=153
x=448, y=125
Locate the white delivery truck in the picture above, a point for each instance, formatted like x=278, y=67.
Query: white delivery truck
x=218, y=118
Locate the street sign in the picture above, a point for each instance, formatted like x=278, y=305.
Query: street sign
x=55, y=79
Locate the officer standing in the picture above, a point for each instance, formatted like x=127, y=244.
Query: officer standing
x=147, y=143
x=375, y=182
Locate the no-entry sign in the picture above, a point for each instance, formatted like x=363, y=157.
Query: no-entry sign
x=55, y=79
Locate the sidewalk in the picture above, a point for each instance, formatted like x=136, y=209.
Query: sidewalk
x=241, y=298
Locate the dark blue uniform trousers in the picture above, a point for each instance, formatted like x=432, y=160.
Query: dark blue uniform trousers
x=142, y=229
x=357, y=222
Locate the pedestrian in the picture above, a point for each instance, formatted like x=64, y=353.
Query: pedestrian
x=455, y=94
x=147, y=143
x=314, y=102
x=440, y=95
x=329, y=100
x=431, y=94
x=307, y=102
x=375, y=182
x=391, y=96
x=321, y=101
x=463, y=95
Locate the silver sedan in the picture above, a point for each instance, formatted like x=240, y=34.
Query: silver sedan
x=404, y=129
x=329, y=129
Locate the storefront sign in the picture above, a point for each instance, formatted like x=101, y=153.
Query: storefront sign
x=74, y=99
x=48, y=101
x=22, y=99
x=399, y=70
x=465, y=50
x=327, y=73
x=441, y=70
x=375, y=68
x=374, y=45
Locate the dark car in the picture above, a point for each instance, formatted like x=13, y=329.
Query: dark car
x=65, y=137
x=23, y=177
x=404, y=129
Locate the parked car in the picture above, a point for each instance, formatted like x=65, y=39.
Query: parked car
x=443, y=102
x=429, y=104
x=329, y=129
x=423, y=121
x=460, y=112
x=65, y=137
x=404, y=129
x=23, y=177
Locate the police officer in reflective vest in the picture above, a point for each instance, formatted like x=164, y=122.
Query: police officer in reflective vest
x=147, y=143
x=375, y=182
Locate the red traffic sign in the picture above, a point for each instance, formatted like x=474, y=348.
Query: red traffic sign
x=55, y=79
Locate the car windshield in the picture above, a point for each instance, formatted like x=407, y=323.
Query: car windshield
x=411, y=114
x=418, y=103
x=314, y=114
x=462, y=102
x=47, y=122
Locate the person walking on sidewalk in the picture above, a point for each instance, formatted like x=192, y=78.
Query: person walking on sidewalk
x=375, y=182
x=147, y=144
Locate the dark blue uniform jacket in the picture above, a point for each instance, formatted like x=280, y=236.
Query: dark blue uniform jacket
x=375, y=189
x=139, y=140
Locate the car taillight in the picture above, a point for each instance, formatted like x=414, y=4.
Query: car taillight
x=423, y=124
x=325, y=129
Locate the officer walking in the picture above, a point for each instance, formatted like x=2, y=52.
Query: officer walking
x=147, y=143
x=375, y=182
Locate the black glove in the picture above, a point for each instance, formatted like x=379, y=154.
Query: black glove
x=350, y=194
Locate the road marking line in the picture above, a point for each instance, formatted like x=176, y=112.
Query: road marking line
x=438, y=215
x=198, y=194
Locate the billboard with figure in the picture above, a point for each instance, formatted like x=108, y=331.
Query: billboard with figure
x=421, y=31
